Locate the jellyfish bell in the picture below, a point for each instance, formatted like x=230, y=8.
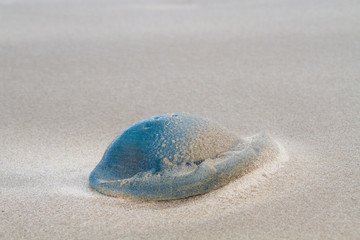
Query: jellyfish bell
x=173, y=156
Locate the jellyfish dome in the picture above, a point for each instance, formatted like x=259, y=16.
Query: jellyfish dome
x=173, y=156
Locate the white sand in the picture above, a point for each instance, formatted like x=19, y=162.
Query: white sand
x=73, y=75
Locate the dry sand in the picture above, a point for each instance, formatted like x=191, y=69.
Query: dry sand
x=75, y=74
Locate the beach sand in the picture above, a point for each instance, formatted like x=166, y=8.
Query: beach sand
x=75, y=74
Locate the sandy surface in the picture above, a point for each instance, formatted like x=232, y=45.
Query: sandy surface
x=74, y=75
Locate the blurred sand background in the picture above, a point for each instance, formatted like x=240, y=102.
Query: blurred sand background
x=74, y=74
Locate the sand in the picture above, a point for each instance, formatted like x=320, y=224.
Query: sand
x=73, y=75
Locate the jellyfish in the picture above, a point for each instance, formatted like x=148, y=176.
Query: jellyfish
x=172, y=156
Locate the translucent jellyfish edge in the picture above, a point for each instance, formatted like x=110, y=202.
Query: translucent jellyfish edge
x=209, y=175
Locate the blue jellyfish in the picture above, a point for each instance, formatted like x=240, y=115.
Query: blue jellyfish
x=174, y=156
